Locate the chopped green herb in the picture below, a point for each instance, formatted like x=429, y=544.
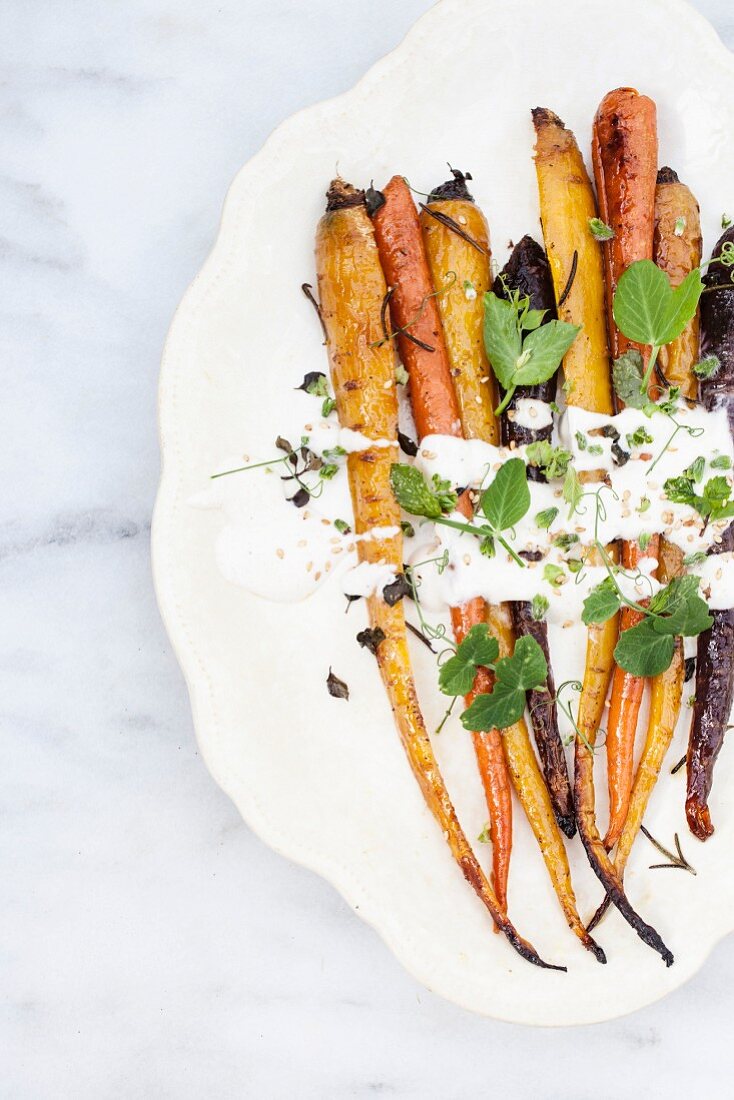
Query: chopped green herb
x=721, y=462
x=644, y=505
x=680, y=225
x=342, y=527
x=627, y=375
x=644, y=540
x=328, y=406
x=725, y=221
x=697, y=558
x=575, y=565
x=484, y=837
x=539, y=606
x=596, y=449
x=407, y=528
x=565, y=541
x=581, y=441
x=553, y=461
x=401, y=375
x=573, y=490
x=554, y=574
x=599, y=230
x=545, y=518
x=639, y=437
x=696, y=470
x=707, y=367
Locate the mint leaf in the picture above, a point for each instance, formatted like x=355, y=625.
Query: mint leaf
x=507, y=499
x=479, y=647
x=414, y=495
x=722, y=462
x=642, y=651
x=599, y=230
x=601, y=603
x=502, y=707
x=639, y=437
x=544, y=348
x=627, y=375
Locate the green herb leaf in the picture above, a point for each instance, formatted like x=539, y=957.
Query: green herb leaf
x=538, y=607
x=544, y=348
x=527, y=668
x=596, y=449
x=479, y=647
x=413, y=493
x=644, y=539
x=642, y=651
x=601, y=603
x=553, y=461
x=581, y=441
x=532, y=319
x=342, y=527
x=401, y=375
x=507, y=499
x=648, y=310
x=696, y=470
x=565, y=541
x=498, y=709
x=573, y=490
x=554, y=574
x=328, y=406
x=545, y=518
x=502, y=338
x=680, y=225
x=639, y=437
x=644, y=505
x=698, y=558
x=627, y=375
x=599, y=230
x=721, y=462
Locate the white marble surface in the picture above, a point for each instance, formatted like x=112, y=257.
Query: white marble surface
x=150, y=945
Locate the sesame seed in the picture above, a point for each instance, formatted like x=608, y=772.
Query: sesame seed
x=309, y=566
x=317, y=576
x=280, y=553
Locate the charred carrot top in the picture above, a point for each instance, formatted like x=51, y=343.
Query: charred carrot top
x=352, y=290
x=416, y=315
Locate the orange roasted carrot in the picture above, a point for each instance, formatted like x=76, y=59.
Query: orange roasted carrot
x=625, y=152
x=352, y=290
x=624, y=708
x=416, y=315
x=398, y=238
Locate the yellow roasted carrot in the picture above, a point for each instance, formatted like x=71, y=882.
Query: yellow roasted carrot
x=352, y=290
x=566, y=204
x=446, y=241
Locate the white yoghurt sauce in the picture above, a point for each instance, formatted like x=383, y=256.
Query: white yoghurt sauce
x=284, y=553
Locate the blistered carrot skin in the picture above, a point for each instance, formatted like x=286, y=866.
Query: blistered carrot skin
x=625, y=156
x=665, y=705
x=460, y=272
x=352, y=289
x=677, y=250
x=530, y=787
x=414, y=307
x=440, y=415
x=624, y=709
x=566, y=204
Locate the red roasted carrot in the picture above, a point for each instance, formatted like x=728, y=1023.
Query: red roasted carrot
x=624, y=151
x=415, y=312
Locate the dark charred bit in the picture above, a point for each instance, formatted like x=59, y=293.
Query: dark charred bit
x=408, y=446
x=543, y=116
x=531, y=555
x=690, y=667
x=677, y=767
x=350, y=601
x=419, y=634
x=373, y=199
x=571, y=277
x=528, y=271
x=336, y=687
x=342, y=194
x=301, y=498
x=455, y=188
x=620, y=457
x=311, y=378
x=395, y=591
x=371, y=638
x=308, y=292
x=667, y=175
x=454, y=226
x=567, y=825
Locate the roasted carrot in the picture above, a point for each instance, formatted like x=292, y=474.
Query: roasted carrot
x=665, y=703
x=528, y=272
x=424, y=351
x=566, y=204
x=625, y=156
x=395, y=242
x=624, y=151
x=352, y=290
x=715, y=647
x=624, y=708
x=677, y=250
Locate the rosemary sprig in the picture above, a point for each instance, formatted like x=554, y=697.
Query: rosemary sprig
x=676, y=860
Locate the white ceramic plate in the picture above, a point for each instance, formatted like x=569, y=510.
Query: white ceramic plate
x=325, y=782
